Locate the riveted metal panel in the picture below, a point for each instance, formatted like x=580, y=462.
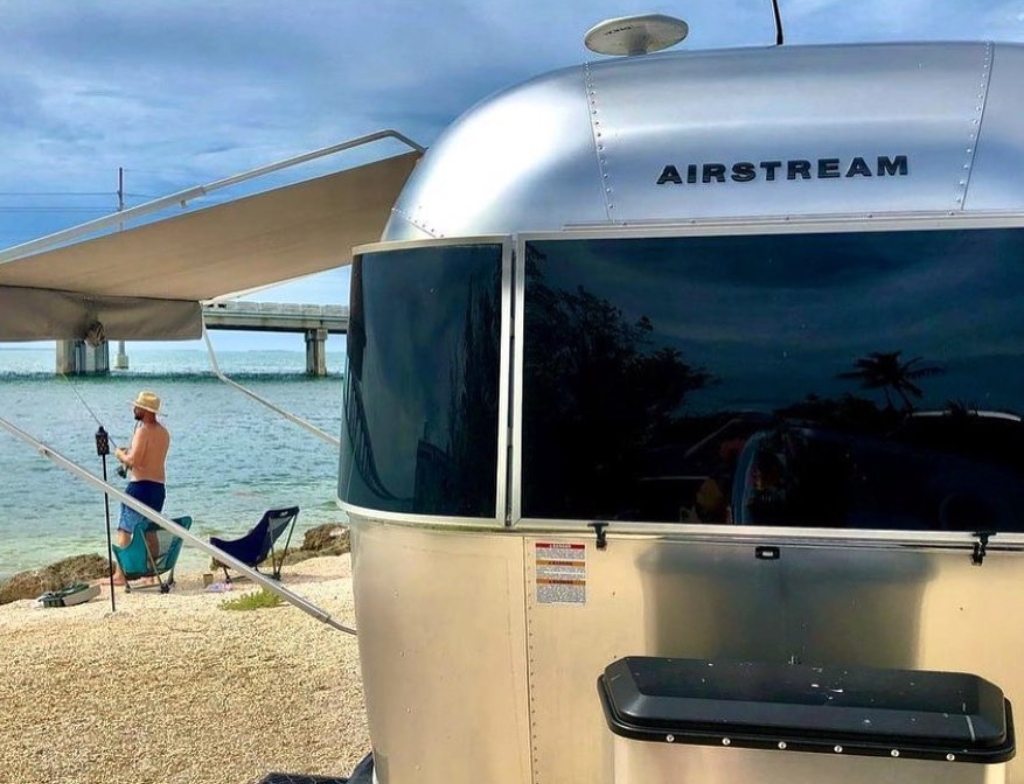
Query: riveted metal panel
x=830, y=107
x=824, y=603
x=786, y=131
x=442, y=653
x=524, y=156
x=995, y=183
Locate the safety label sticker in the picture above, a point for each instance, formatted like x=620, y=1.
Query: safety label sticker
x=561, y=573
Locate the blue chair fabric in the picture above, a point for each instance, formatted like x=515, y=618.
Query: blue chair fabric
x=138, y=562
x=260, y=543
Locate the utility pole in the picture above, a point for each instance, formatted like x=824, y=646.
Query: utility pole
x=121, y=362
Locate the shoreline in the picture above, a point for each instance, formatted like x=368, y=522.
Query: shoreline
x=191, y=559
x=171, y=688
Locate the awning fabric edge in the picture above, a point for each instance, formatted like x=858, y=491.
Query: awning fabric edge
x=48, y=314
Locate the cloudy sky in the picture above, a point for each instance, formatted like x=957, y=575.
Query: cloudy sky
x=186, y=93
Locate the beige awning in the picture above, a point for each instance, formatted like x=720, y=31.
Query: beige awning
x=146, y=282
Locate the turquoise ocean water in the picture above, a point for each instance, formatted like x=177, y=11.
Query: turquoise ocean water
x=231, y=458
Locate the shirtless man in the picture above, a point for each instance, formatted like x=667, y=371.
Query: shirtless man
x=145, y=460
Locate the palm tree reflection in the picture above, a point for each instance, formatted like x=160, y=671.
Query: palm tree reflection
x=884, y=370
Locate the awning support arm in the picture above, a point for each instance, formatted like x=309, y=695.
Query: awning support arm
x=335, y=442
x=169, y=525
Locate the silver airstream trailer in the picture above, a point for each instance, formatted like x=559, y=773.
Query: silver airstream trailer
x=682, y=437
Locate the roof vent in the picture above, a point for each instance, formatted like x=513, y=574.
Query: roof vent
x=633, y=35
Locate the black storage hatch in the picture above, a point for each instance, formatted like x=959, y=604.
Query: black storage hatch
x=915, y=714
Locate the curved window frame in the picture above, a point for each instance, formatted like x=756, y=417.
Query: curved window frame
x=500, y=518
x=1013, y=541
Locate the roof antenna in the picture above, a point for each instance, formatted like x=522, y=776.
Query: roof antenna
x=635, y=35
x=778, y=23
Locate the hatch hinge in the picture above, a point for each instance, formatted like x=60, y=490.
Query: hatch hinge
x=602, y=542
x=981, y=546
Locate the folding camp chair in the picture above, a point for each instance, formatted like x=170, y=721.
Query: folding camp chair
x=137, y=562
x=255, y=547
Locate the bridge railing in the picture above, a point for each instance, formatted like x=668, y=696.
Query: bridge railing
x=276, y=308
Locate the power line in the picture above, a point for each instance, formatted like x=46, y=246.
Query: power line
x=56, y=208
x=58, y=193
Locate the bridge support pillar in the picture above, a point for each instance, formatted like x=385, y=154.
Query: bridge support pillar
x=121, y=361
x=78, y=358
x=316, y=352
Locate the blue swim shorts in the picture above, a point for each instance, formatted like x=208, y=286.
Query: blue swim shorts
x=152, y=494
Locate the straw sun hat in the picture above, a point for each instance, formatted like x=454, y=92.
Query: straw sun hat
x=147, y=401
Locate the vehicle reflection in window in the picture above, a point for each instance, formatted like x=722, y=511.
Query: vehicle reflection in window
x=856, y=381
x=805, y=475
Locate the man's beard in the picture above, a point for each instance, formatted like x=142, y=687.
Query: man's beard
x=138, y=416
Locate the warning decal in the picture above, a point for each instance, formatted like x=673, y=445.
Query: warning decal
x=561, y=573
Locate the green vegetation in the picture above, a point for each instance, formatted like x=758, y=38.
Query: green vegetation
x=252, y=601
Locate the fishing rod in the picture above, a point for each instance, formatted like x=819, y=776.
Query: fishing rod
x=87, y=406
x=103, y=444
x=121, y=470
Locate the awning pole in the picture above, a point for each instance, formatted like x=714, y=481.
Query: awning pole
x=169, y=525
x=335, y=442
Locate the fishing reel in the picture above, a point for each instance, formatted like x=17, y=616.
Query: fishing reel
x=122, y=471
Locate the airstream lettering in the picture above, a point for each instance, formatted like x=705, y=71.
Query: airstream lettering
x=822, y=168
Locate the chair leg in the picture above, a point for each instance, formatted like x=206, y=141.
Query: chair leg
x=284, y=553
x=278, y=563
x=275, y=565
x=155, y=569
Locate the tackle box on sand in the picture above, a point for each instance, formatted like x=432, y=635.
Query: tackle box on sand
x=76, y=593
x=713, y=722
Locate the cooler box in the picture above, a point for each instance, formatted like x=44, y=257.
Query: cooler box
x=694, y=721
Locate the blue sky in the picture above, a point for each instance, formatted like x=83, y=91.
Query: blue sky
x=187, y=93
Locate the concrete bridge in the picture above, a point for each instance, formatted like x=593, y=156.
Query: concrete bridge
x=316, y=322
x=276, y=317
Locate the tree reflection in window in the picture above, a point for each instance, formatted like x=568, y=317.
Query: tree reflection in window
x=884, y=370
x=587, y=364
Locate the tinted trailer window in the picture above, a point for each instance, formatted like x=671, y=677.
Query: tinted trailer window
x=421, y=390
x=867, y=380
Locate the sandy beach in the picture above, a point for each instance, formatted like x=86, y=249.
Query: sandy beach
x=171, y=688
